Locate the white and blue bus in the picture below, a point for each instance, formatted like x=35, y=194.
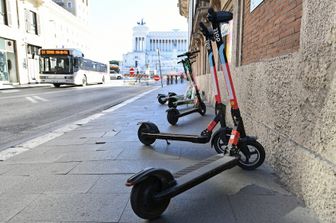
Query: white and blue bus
x=68, y=66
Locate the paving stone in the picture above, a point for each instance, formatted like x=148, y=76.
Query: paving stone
x=111, y=184
x=41, y=169
x=67, y=184
x=188, y=209
x=249, y=207
x=34, y=156
x=74, y=207
x=66, y=141
x=88, y=156
x=125, y=166
x=7, y=182
x=63, y=149
x=4, y=168
x=141, y=152
x=11, y=204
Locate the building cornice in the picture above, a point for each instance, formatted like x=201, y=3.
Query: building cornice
x=183, y=7
x=36, y=3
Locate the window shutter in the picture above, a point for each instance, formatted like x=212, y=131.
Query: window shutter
x=9, y=13
x=27, y=23
x=38, y=26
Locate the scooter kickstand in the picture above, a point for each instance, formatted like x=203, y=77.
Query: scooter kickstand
x=168, y=143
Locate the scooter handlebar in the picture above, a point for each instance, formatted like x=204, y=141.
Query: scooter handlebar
x=188, y=54
x=219, y=17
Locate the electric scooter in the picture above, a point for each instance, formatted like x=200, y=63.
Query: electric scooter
x=172, y=97
x=153, y=188
x=173, y=114
x=148, y=132
x=173, y=102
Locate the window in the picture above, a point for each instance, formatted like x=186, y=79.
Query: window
x=31, y=49
x=31, y=22
x=3, y=14
x=69, y=4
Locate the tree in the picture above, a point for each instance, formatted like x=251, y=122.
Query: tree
x=114, y=66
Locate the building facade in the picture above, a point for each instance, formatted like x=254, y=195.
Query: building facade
x=29, y=25
x=153, y=51
x=283, y=63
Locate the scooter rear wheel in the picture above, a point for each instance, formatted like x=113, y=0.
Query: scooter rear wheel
x=172, y=116
x=161, y=99
x=143, y=202
x=145, y=128
x=202, y=108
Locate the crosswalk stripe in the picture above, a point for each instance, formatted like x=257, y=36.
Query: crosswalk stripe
x=31, y=99
x=39, y=98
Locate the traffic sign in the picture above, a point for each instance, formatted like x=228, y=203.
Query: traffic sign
x=156, y=77
x=131, y=71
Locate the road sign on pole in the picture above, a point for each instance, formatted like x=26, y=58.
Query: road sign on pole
x=156, y=77
x=131, y=71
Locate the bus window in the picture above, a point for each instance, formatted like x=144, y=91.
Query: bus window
x=75, y=64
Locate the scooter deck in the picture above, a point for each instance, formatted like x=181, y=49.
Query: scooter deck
x=178, y=137
x=198, y=173
x=182, y=102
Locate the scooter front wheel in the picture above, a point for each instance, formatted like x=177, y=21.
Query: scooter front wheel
x=143, y=200
x=172, y=116
x=221, y=141
x=252, y=155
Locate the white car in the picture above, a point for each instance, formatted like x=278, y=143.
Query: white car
x=115, y=76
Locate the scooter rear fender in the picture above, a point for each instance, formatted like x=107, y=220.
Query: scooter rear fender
x=163, y=175
x=159, y=95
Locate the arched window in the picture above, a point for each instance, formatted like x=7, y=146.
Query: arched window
x=69, y=4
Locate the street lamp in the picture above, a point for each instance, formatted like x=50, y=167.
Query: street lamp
x=158, y=50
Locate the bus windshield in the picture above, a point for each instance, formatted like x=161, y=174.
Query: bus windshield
x=56, y=65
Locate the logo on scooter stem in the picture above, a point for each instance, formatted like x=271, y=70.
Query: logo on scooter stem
x=217, y=35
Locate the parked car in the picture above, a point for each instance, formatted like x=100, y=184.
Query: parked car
x=115, y=76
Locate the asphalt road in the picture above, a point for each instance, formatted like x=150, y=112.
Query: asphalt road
x=31, y=112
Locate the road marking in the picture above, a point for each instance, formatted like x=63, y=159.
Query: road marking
x=32, y=100
x=39, y=98
x=9, y=91
x=31, y=144
x=35, y=99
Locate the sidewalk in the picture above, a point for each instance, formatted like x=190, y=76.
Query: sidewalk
x=79, y=175
x=18, y=86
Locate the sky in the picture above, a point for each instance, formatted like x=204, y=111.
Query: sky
x=112, y=22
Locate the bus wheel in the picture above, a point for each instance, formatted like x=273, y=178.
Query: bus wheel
x=84, y=81
x=57, y=85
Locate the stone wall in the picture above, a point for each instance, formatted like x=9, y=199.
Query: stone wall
x=289, y=103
